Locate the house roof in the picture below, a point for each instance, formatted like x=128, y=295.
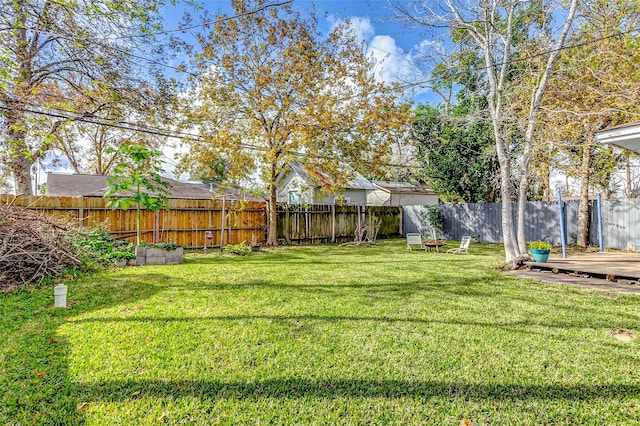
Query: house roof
x=65, y=185
x=404, y=188
x=311, y=177
x=231, y=191
x=625, y=136
x=80, y=185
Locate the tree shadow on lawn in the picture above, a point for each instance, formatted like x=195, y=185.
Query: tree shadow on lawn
x=522, y=326
x=471, y=297
x=35, y=385
x=36, y=389
x=286, y=388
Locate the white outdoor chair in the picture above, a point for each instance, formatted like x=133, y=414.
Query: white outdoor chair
x=415, y=240
x=464, y=246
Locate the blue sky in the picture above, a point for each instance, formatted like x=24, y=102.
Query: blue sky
x=392, y=43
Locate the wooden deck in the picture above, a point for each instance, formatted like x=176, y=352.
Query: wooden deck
x=609, y=265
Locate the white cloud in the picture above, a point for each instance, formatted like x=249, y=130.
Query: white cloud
x=427, y=47
x=362, y=27
x=392, y=63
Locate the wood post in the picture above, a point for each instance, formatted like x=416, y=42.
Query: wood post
x=333, y=223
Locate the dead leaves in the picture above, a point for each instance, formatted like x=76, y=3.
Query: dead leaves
x=622, y=335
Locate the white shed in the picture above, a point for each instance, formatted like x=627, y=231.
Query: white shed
x=401, y=194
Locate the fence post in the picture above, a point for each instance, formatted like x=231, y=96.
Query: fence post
x=229, y=224
x=81, y=213
x=222, y=226
x=333, y=223
x=287, y=223
x=156, y=226
x=600, y=237
x=563, y=236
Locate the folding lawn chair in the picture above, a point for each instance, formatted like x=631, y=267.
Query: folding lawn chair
x=464, y=246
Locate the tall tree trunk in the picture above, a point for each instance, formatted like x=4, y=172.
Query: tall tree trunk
x=534, y=110
x=547, y=183
x=272, y=233
x=582, y=239
x=508, y=235
x=20, y=159
x=138, y=217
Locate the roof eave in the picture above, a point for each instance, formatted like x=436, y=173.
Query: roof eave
x=624, y=137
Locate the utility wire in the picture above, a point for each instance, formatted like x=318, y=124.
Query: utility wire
x=123, y=125
x=206, y=24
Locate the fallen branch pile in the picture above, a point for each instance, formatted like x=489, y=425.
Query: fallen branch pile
x=32, y=247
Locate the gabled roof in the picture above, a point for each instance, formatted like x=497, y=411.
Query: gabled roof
x=312, y=177
x=625, y=136
x=78, y=185
x=404, y=188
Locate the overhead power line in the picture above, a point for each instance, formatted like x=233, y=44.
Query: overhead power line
x=124, y=125
x=206, y=24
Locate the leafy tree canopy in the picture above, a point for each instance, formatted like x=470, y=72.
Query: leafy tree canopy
x=457, y=154
x=272, y=90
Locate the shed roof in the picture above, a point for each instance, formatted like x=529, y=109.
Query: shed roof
x=404, y=188
x=625, y=136
x=312, y=177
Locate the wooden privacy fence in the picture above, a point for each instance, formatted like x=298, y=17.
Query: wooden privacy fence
x=322, y=224
x=186, y=223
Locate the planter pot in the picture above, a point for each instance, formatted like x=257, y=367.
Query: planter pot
x=540, y=256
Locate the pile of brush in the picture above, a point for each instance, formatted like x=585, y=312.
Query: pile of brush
x=33, y=246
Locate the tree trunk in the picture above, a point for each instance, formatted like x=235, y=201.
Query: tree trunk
x=272, y=233
x=583, y=208
x=20, y=161
x=534, y=110
x=547, y=184
x=508, y=236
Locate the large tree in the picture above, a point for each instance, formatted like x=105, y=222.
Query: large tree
x=457, y=153
x=499, y=29
x=57, y=52
x=273, y=90
x=91, y=146
x=598, y=86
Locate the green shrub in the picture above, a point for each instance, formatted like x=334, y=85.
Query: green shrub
x=540, y=245
x=241, y=249
x=165, y=246
x=97, y=247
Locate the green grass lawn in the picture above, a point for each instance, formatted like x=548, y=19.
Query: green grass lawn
x=320, y=335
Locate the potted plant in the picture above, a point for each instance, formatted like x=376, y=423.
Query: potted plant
x=540, y=250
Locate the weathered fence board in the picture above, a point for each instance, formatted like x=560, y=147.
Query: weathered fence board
x=620, y=222
x=322, y=224
x=188, y=221
x=185, y=223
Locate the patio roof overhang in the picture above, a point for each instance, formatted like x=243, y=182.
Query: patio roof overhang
x=625, y=136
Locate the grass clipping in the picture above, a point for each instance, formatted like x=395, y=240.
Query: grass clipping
x=33, y=246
